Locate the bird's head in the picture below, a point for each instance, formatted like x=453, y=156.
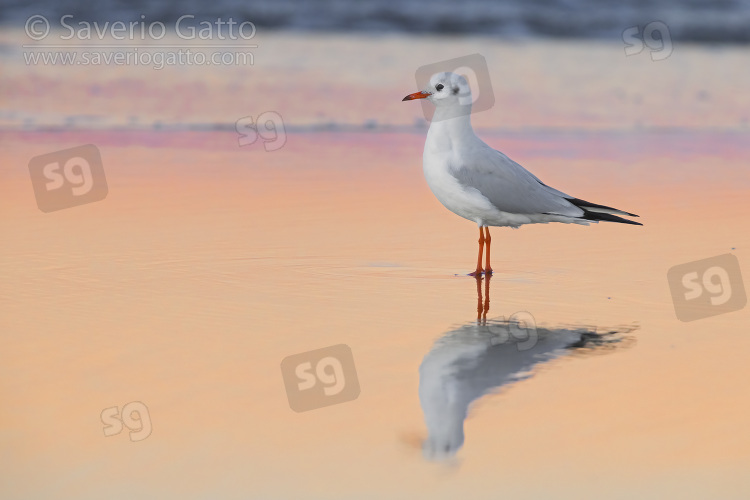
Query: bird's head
x=445, y=89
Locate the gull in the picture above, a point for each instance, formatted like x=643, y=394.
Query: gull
x=483, y=185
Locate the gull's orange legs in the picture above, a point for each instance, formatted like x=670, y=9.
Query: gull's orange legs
x=487, y=240
x=484, y=238
x=478, y=271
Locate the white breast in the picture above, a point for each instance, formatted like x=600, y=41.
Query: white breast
x=468, y=203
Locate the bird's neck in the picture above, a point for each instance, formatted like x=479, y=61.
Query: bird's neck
x=447, y=131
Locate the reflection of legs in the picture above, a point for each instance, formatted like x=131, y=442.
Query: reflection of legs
x=483, y=306
x=487, y=294
x=478, y=272
x=487, y=240
x=480, y=306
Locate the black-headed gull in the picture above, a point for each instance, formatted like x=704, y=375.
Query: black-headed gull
x=483, y=185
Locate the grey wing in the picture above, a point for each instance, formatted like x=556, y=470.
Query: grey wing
x=510, y=187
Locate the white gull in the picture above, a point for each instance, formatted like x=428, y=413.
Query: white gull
x=481, y=184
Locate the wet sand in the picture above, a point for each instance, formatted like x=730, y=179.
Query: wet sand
x=207, y=264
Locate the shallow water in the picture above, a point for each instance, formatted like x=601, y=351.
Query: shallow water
x=186, y=287
x=207, y=264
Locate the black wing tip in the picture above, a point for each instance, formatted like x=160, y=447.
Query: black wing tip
x=583, y=205
x=597, y=216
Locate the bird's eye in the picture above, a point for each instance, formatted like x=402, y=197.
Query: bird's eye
x=439, y=87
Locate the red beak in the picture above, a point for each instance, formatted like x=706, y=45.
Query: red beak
x=417, y=95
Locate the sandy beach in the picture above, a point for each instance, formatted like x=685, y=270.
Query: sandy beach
x=207, y=263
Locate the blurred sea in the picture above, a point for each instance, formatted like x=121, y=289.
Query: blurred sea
x=725, y=21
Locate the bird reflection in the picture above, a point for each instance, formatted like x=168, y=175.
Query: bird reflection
x=484, y=356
